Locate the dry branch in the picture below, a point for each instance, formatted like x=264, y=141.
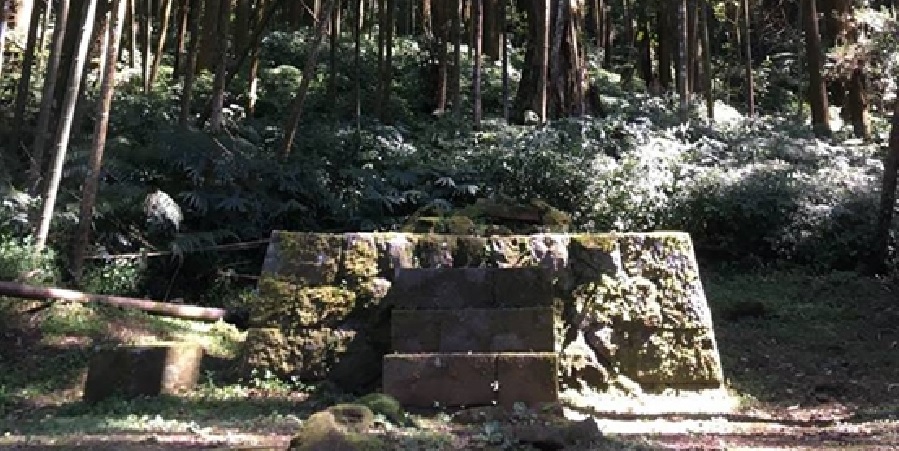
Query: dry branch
x=177, y=310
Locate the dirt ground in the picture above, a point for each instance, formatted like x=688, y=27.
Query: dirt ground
x=818, y=370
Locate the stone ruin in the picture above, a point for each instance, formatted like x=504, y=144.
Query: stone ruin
x=515, y=318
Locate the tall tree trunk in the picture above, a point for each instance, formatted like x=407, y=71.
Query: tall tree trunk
x=160, y=40
x=682, y=86
x=442, y=22
x=747, y=60
x=42, y=133
x=663, y=46
x=426, y=16
x=181, y=39
x=817, y=88
x=456, y=89
x=543, y=77
x=216, y=117
x=5, y=10
x=92, y=179
x=296, y=110
x=505, y=75
x=384, y=110
x=23, y=87
x=67, y=111
x=880, y=246
x=707, y=63
x=856, y=106
x=477, y=22
x=357, y=59
x=332, y=60
x=132, y=33
x=190, y=68
x=146, y=43
x=492, y=29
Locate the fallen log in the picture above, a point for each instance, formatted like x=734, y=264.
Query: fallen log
x=163, y=308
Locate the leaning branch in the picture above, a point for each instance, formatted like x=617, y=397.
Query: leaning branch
x=177, y=310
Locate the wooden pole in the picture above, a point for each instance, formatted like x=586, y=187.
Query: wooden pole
x=177, y=310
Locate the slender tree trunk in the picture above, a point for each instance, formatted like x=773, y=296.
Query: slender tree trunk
x=180, y=39
x=817, y=88
x=5, y=10
x=218, y=87
x=132, y=34
x=357, y=58
x=477, y=21
x=543, y=72
x=747, y=55
x=663, y=46
x=505, y=50
x=160, y=40
x=296, y=113
x=441, y=12
x=682, y=86
x=707, y=64
x=92, y=179
x=880, y=247
x=332, y=60
x=190, y=68
x=42, y=133
x=384, y=110
x=492, y=28
x=456, y=92
x=146, y=39
x=23, y=87
x=66, y=115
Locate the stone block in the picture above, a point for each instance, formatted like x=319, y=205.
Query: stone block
x=429, y=380
x=415, y=330
x=522, y=287
x=442, y=288
x=476, y=330
x=147, y=370
x=530, y=378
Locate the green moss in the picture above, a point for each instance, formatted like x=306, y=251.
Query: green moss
x=340, y=428
x=265, y=349
x=385, y=405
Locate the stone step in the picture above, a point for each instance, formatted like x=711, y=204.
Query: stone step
x=471, y=379
x=475, y=330
x=456, y=288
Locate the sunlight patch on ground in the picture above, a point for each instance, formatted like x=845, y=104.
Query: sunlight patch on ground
x=708, y=401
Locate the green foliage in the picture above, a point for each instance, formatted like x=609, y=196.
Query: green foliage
x=18, y=261
x=116, y=276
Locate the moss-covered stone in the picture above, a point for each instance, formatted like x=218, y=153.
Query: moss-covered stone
x=613, y=289
x=339, y=428
x=286, y=304
x=386, y=405
x=265, y=350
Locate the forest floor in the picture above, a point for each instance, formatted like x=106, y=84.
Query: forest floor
x=813, y=361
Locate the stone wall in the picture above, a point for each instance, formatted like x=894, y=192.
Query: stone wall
x=629, y=308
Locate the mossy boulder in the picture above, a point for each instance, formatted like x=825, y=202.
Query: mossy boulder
x=386, y=405
x=342, y=427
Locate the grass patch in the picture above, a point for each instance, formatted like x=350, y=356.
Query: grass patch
x=815, y=338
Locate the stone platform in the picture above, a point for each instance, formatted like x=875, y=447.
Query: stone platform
x=628, y=309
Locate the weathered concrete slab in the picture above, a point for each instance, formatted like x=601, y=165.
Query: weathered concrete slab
x=476, y=330
x=529, y=378
x=432, y=380
x=147, y=370
x=471, y=379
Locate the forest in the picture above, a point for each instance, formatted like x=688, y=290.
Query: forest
x=150, y=148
